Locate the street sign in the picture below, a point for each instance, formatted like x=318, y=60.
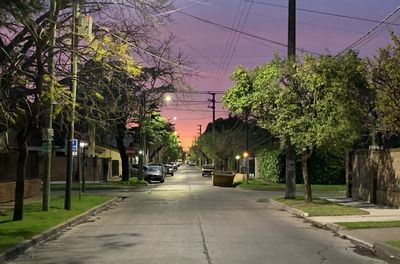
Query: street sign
x=47, y=134
x=74, y=146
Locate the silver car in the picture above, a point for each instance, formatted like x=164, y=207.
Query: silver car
x=155, y=172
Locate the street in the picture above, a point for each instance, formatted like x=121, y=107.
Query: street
x=186, y=220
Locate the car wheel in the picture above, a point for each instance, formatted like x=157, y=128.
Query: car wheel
x=172, y=174
x=162, y=180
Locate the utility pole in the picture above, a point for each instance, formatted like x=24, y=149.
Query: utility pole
x=200, y=158
x=290, y=173
x=247, y=145
x=74, y=82
x=48, y=133
x=292, y=29
x=142, y=136
x=213, y=122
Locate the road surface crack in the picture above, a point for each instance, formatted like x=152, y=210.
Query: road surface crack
x=321, y=254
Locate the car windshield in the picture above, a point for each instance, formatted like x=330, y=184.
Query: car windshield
x=153, y=168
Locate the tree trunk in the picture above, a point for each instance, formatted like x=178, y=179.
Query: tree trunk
x=290, y=173
x=349, y=176
x=21, y=171
x=124, y=157
x=307, y=185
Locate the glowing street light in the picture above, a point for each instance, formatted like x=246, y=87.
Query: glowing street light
x=237, y=162
x=246, y=156
x=168, y=98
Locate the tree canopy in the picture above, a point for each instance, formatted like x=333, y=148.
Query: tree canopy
x=314, y=103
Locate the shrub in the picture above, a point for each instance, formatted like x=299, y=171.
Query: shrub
x=325, y=167
x=272, y=165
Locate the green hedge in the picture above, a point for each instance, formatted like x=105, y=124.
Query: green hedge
x=272, y=165
x=325, y=167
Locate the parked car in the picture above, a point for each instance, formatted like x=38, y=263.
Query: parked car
x=170, y=169
x=174, y=165
x=191, y=163
x=134, y=170
x=207, y=170
x=155, y=172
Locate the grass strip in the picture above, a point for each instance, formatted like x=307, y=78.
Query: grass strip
x=321, y=207
x=133, y=182
x=36, y=221
x=369, y=224
x=257, y=184
x=395, y=243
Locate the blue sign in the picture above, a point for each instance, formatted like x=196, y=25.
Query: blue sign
x=74, y=146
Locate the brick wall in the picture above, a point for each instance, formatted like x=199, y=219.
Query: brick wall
x=376, y=176
x=7, y=190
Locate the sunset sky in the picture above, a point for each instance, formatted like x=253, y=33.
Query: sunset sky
x=323, y=26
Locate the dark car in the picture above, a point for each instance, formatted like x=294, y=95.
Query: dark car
x=170, y=169
x=134, y=170
x=155, y=172
x=207, y=170
x=174, y=165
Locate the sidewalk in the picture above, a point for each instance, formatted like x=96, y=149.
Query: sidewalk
x=373, y=239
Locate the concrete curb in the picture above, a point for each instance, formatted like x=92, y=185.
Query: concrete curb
x=388, y=252
x=383, y=250
x=13, y=252
x=289, y=209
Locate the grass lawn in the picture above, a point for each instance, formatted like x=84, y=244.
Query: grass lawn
x=395, y=243
x=263, y=185
x=370, y=224
x=133, y=182
x=36, y=221
x=321, y=207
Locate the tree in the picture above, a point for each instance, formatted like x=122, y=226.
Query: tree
x=23, y=82
x=24, y=89
x=315, y=104
x=230, y=141
x=384, y=78
x=240, y=100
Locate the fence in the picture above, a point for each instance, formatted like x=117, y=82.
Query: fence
x=375, y=176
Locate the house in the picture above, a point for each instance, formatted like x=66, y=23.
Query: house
x=105, y=166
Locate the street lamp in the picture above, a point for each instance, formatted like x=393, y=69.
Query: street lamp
x=246, y=157
x=167, y=98
x=237, y=162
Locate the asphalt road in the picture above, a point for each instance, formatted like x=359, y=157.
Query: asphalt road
x=186, y=220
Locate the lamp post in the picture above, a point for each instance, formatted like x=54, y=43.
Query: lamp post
x=237, y=162
x=246, y=157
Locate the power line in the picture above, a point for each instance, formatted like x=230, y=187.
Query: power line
x=226, y=60
x=189, y=101
x=150, y=53
x=323, y=13
x=369, y=35
x=244, y=33
x=199, y=92
x=195, y=110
